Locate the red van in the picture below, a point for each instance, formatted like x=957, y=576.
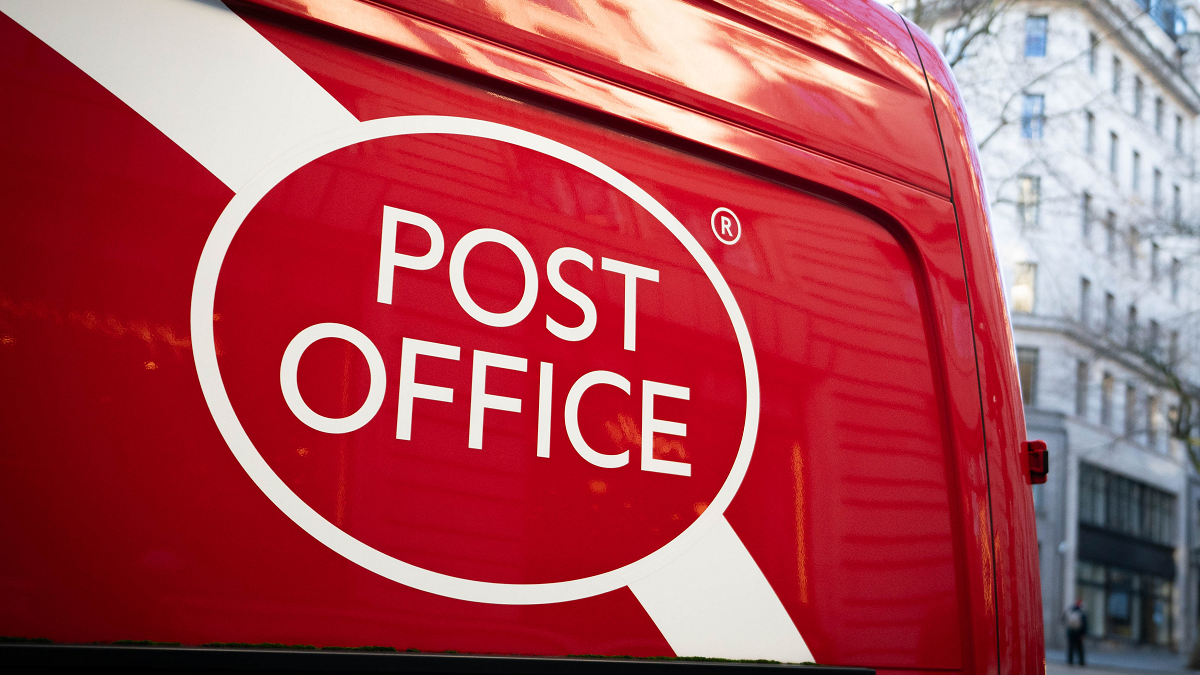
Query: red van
x=556, y=327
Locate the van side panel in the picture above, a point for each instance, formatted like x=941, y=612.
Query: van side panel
x=1017, y=577
x=864, y=509
x=185, y=591
x=939, y=246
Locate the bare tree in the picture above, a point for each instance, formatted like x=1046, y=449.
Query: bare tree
x=968, y=21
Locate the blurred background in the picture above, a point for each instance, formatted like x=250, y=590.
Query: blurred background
x=1085, y=114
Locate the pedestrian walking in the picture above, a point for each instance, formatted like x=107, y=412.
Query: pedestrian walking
x=1076, y=622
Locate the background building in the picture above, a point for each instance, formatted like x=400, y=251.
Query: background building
x=1085, y=114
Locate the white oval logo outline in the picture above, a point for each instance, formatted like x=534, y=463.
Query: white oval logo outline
x=208, y=371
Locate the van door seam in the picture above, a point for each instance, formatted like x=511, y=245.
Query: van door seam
x=974, y=341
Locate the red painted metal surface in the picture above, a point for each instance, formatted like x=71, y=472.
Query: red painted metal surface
x=1018, y=602
x=866, y=504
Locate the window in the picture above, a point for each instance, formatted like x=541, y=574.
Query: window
x=1081, y=388
x=1114, y=145
x=953, y=43
x=1157, y=191
x=1024, y=287
x=1116, y=73
x=1178, y=133
x=1134, y=246
x=1089, y=139
x=1035, y=35
x=1027, y=363
x=1136, y=178
x=1117, y=503
x=1110, y=233
x=1085, y=301
x=1176, y=205
x=1175, y=266
x=1139, y=92
x=1106, y=393
x=1154, y=252
x=1173, y=349
x=1033, y=115
x=1086, y=225
x=1093, y=51
x=1158, y=115
x=1153, y=419
x=1130, y=410
x=1029, y=198
x=1110, y=314
x=1131, y=328
x=1091, y=589
x=1152, y=333
x=1092, y=509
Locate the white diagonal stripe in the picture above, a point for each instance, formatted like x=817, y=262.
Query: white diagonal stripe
x=193, y=69
x=714, y=601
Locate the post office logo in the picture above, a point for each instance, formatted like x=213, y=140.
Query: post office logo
x=474, y=360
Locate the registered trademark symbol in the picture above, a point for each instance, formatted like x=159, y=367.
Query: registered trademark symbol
x=726, y=226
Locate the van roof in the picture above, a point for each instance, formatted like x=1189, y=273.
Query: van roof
x=841, y=79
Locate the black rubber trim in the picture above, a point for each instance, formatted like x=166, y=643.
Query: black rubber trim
x=102, y=658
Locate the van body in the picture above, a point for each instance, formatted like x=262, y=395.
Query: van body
x=556, y=327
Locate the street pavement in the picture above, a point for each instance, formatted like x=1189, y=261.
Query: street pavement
x=1132, y=662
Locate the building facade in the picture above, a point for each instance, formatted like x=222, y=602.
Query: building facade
x=1085, y=113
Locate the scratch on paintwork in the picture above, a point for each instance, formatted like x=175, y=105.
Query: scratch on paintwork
x=154, y=335
x=798, y=484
